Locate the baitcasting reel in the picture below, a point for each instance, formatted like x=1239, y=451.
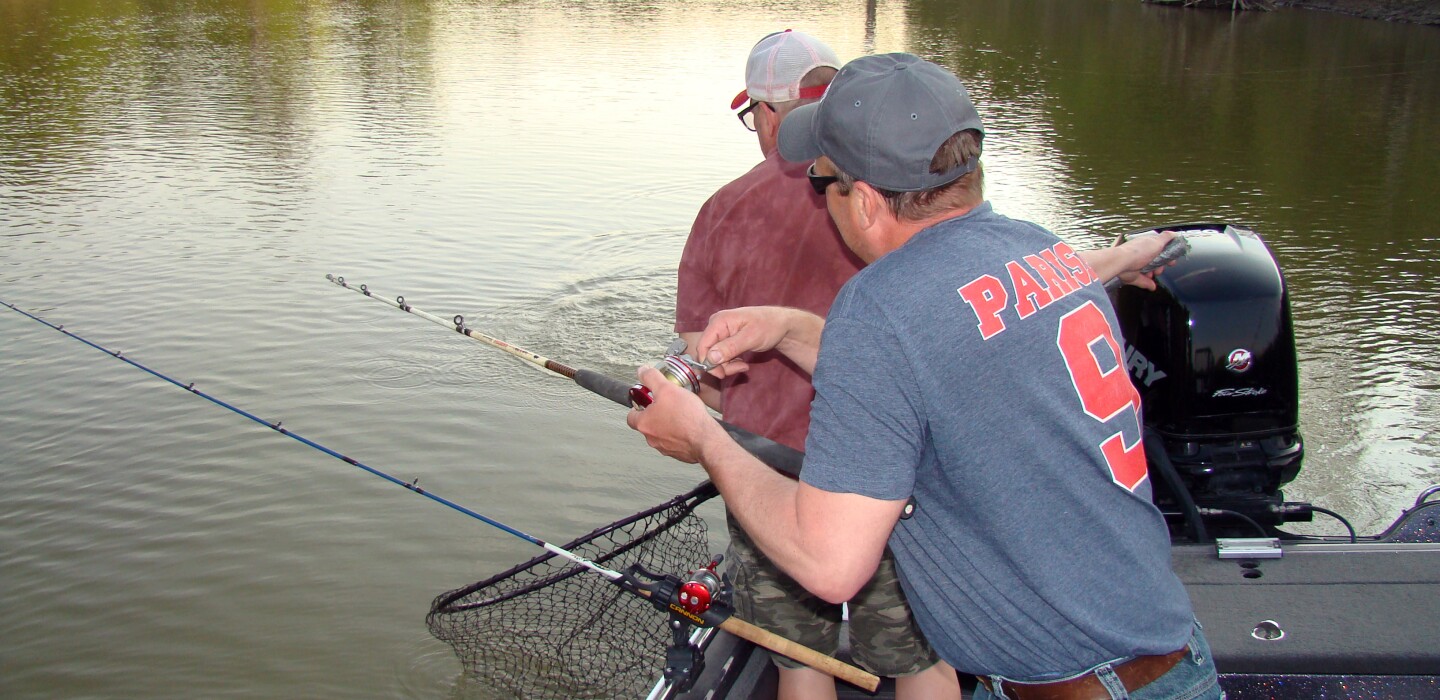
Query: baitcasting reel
x=701, y=588
x=680, y=368
x=701, y=599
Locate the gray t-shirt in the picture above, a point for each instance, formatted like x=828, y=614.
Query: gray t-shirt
x=975, y=368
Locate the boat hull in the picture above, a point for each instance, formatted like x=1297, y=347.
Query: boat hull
x=1327, y=618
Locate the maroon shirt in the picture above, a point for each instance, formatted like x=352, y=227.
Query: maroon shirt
x=764, y=239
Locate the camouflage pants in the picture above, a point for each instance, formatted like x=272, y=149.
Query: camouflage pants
x=884, y=638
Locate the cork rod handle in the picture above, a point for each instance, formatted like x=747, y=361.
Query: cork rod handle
x=803, y=654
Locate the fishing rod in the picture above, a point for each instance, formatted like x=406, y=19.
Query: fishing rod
x=781, y=457
x=277, y=427
x=667, y=593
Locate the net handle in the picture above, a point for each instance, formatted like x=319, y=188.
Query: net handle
x=799, y=652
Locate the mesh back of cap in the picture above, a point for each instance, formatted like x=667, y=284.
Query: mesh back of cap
x=779, y=61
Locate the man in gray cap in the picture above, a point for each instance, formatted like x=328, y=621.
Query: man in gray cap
x=765, y=238
x=972, y=411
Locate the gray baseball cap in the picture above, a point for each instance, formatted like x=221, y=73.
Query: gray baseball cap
x=882, y=120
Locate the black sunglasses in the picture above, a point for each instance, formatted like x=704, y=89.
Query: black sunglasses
x=819, y=183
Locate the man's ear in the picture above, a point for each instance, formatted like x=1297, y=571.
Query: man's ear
x=869, y=205
x=771, y=124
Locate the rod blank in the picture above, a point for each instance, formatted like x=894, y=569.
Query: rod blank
x=815, y=659
x=780, y=457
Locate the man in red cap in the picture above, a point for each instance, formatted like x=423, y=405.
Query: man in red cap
x=765, y=238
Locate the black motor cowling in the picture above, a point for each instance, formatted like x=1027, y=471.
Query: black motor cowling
x=1212, y=353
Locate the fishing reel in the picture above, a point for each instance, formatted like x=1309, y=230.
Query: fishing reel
x=678, y=367
x=701, y=599
x=700, y=588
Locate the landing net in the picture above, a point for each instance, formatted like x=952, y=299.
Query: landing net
x=550, y=628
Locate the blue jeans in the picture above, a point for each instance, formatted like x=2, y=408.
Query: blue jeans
x=1191, y=679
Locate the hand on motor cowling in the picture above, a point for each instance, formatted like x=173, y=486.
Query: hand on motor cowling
x=676, y=423
x=1138, y=251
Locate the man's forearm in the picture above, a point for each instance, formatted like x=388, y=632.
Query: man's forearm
x=827, y=547
x=1106, y=262
x=1130, y=256
x=802, y=339
x=764, y=502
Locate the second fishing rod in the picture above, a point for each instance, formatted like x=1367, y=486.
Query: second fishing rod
x=677, y=367
x=666, y=592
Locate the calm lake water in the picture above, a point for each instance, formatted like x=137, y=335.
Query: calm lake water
x=176, y=180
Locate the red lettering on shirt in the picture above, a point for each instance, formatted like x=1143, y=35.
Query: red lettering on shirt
x=1082, y=272
x=1057, y=285
x=987, y=298
x=1053, y=261
x=1058, y=272
x=1030, y=296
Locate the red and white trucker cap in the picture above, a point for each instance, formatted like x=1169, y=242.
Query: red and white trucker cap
x=778, y=62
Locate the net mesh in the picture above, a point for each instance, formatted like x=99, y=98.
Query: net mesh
x=550, y=628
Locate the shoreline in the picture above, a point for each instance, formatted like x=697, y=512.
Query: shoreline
x=1404, y=11
x=1408, y=11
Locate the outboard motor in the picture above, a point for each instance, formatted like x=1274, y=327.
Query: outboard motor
x=1212, y=353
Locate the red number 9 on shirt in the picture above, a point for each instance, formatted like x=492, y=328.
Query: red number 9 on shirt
x=1106, y=394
